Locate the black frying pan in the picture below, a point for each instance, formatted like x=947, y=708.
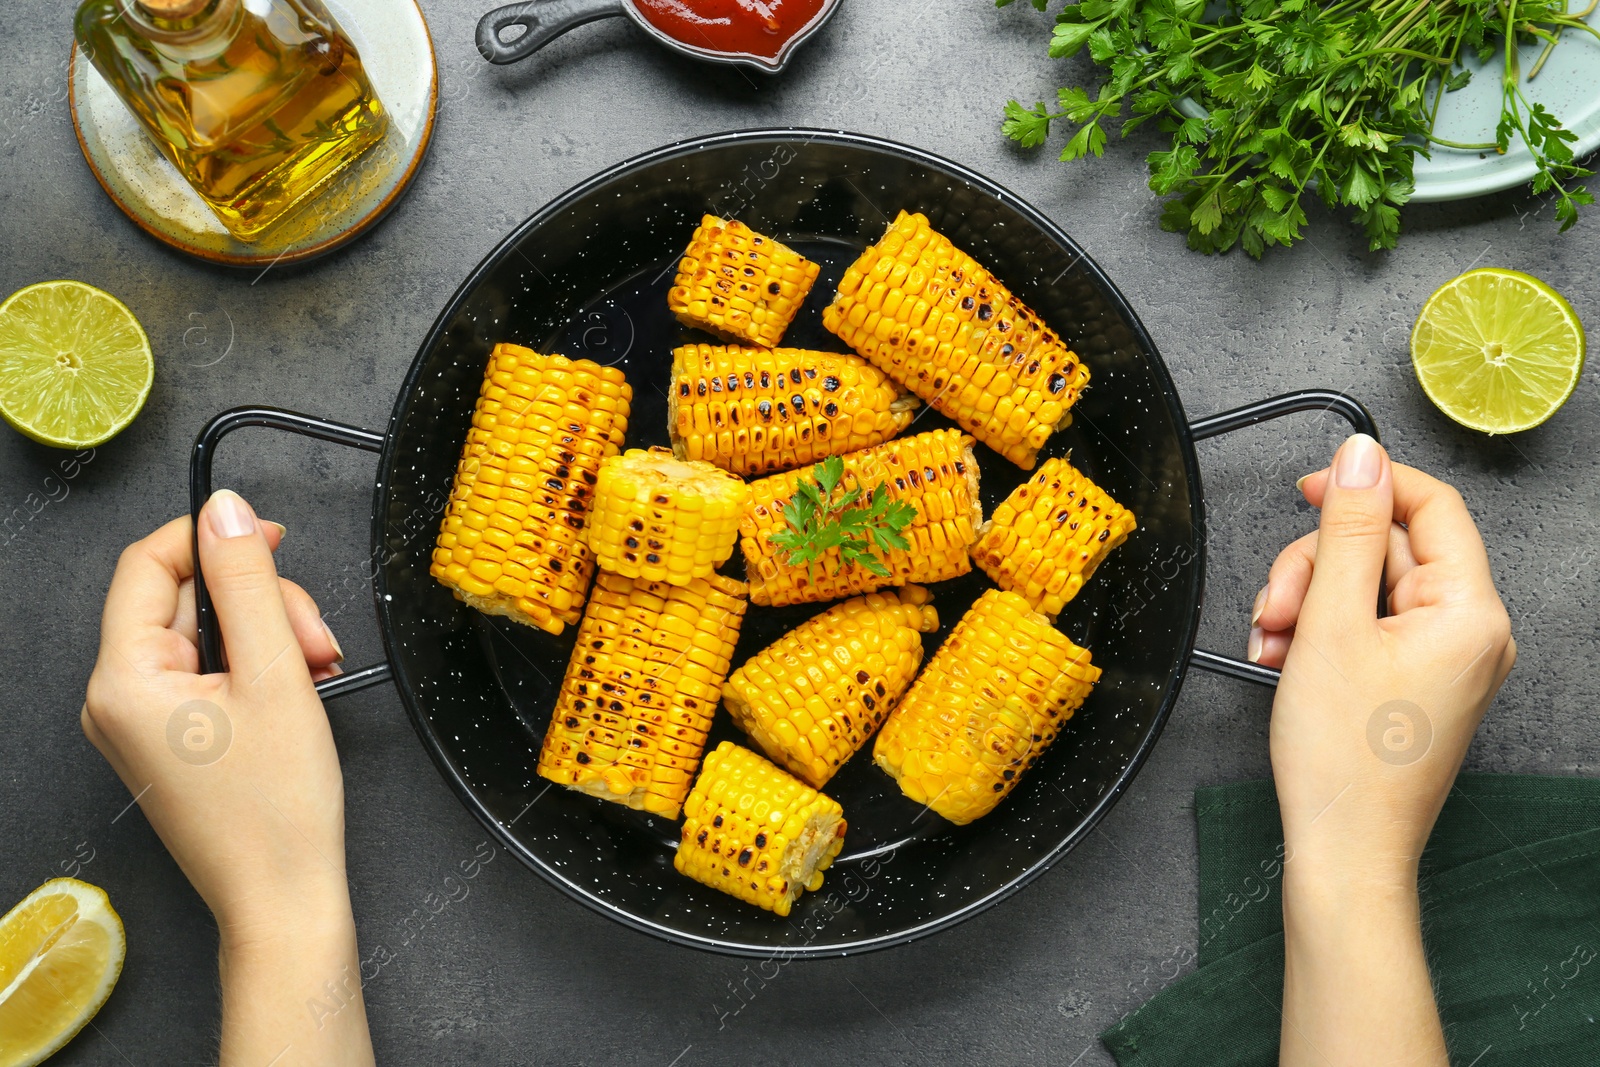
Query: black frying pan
x=587, y=276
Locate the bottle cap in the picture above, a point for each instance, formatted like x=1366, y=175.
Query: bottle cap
x=172, y=9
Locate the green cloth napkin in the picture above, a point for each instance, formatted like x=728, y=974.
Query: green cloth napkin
x=1511, y=920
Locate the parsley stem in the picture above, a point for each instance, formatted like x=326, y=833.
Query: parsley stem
x=1425, y=57
x=1455, y=50
x=1567, y=18
x=1485, y=147
x=1573, y=23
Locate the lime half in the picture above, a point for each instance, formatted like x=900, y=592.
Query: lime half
x=1497, y=350
x=75, y=365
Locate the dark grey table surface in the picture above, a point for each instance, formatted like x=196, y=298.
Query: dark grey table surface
x=516, y=973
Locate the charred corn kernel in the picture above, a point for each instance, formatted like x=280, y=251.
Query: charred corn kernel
x=1046, y=539
x=739, y=284
x=992, y=699
x=752, y=831
x=934, y=472
x=814, y=696
x=945, y=328
x=757, y=410
x=664, y=519
x=511, y=542
x=630, y=721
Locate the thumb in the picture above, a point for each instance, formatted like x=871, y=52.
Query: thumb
x=237, y=563
x=1352, y=540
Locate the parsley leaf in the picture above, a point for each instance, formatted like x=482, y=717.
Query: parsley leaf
x=822, y=518
x=1268, y=102
x=1027, y=126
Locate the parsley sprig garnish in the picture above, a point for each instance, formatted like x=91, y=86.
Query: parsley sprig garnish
x=1327, y=97
x=823, y=515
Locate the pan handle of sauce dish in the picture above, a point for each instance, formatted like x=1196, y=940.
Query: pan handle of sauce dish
x=1226, y=422
x=205, y=447
x=542, y=21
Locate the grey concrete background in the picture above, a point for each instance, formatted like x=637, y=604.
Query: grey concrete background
x=517, y=974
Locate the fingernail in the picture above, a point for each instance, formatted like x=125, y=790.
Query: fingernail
x=1358, y=464
x=1253, y=649
x=283, y=531
x=229, y=515
x=1300, y=483
x=1261, y=604
x=334, y=641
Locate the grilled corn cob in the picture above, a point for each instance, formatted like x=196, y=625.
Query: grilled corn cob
x=945, y=328
x=1046, y=539
x=631, y=718
x=511, y=542
x=756, y=411
x=752, y=831
x=813, y=697
x=993, y=697
x=739, y=284
x=664, y=519
x=935, y=472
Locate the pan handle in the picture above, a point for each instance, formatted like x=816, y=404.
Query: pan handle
x=542, y=21
x=1249, y=415
x=212, y=658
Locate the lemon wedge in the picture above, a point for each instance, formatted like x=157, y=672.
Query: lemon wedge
x=61, y=951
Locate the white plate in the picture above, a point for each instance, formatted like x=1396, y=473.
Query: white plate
x=1569, y=86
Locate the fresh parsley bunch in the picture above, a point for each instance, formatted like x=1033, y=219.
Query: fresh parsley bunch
x=823, y=515
x=1298, y=96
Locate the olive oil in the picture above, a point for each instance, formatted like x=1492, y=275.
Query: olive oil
x=258, y=103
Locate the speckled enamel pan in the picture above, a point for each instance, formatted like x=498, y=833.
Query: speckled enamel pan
x=587, y=276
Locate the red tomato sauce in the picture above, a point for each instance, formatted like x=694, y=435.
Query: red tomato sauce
x=737, y=27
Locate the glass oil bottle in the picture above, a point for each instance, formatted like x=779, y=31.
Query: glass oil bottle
x=258, y=103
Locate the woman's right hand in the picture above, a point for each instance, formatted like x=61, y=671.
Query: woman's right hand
x=1369, y=726
x=1377, y=713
